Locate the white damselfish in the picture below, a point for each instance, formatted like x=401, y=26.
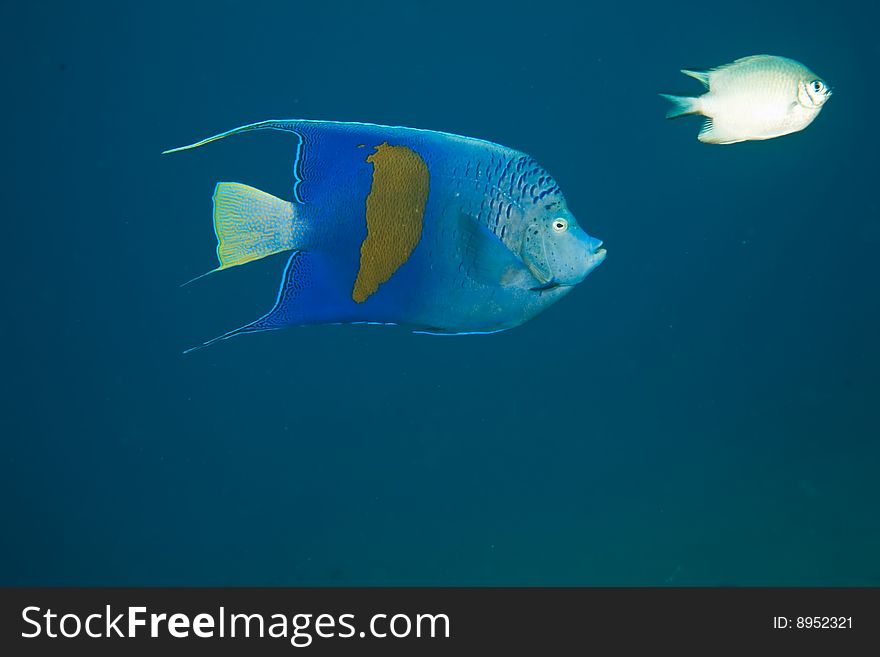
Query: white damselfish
x=757, y=97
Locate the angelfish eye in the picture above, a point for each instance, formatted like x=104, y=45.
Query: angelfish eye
x=560, y=225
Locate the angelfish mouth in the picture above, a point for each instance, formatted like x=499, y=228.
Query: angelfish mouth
x=593, y=258
x=597, y=253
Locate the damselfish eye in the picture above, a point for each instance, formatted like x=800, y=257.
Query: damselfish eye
x=560, y=225
x=818, y=86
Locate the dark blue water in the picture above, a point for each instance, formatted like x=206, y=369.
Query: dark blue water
x=701, y=410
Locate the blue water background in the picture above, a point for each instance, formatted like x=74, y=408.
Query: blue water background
x=702, y=410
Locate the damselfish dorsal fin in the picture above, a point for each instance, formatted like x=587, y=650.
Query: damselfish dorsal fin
x=724, y=77
x=484, y=257
x=750, y=59
x=702, y=76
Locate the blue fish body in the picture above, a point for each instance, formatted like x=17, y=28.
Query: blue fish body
x=434, y=231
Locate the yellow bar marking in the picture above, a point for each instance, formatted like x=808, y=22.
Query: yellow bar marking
x=395, y=209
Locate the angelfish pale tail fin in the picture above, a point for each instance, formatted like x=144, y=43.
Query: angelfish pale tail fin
x=251, y=224
x=682, y=106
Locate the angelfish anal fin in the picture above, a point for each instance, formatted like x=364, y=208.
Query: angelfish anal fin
x=278, y=317
x=484, y=257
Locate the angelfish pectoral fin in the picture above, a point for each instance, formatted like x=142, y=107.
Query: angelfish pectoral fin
x=549, y=285
x=485, y=258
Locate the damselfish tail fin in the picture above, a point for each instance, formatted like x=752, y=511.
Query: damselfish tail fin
x=251, y=224
x=682, y=105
